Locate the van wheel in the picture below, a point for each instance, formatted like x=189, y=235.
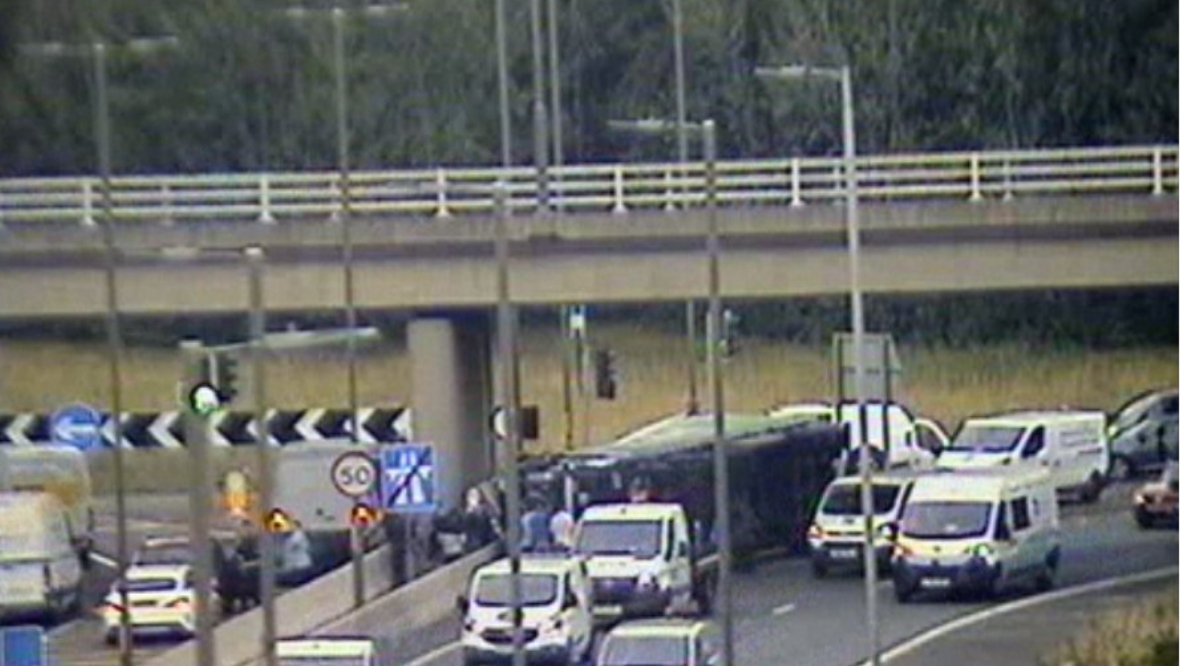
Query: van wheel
x=1093, y=489
x=112, y=637
x=903, y=592
x=1045, y=579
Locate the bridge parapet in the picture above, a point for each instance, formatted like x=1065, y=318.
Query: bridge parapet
x=279, y=197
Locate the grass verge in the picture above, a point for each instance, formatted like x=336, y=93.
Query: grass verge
x=1141, y=635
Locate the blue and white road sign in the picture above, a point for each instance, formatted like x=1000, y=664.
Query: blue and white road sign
x=23, y=646
x=79, y=426
x=407, y=478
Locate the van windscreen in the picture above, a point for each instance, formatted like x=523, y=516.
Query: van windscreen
x=987, y=438
x=945, y=520
x=844, y=499
x=535, y=589
x=653, y=650
x=638, y=538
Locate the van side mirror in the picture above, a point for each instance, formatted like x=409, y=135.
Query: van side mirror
x=571, y=601
x=889, y=530
x=461, y=603
x=682, y=549
x=1002, y=532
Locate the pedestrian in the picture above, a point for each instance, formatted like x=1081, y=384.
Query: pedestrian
x=561, y=526
x=478, y=529
x=534, y=524
x=296, y=557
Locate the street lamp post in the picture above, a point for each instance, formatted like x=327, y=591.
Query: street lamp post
x=708, y=132
x=690, y=314
x=540, y=120
x=843, y=76
x=97, y=52
x=339, y=17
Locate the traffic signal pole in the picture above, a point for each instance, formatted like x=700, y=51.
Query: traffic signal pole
x=196, y=431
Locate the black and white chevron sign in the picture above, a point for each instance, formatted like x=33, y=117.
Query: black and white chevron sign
x=166, y=429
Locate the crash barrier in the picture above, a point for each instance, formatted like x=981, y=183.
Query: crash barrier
x=302, y=610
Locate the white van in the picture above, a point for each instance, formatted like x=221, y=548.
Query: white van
x=836, y=537
x=61, y=471
x=556, y=604
x=39, y=569
x=1070, y=445
x=979, y=530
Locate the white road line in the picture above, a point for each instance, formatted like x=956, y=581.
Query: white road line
x=435, y=654
x=935, y=633
x=99, y=558
x=783, y=610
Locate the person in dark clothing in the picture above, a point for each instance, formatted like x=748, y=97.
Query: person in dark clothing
x=534, y=524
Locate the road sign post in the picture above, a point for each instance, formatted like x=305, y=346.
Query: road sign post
x=196, y=426
x=407, y=485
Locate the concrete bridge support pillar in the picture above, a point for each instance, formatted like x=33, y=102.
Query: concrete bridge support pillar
x=450, y=366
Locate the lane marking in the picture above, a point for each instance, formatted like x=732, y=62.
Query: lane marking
x=435, y=654
x=933, y=634
x=99, y=558
x=783, y=610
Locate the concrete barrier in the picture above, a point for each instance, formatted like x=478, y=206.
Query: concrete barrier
x=328, y=599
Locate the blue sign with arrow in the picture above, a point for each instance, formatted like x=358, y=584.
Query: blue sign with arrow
x=79, y=426
x=407, y=478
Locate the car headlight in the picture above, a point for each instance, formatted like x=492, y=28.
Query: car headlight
x=1140, y=499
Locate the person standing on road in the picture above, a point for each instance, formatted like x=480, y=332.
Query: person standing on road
x=561, y=526
x=535, y=533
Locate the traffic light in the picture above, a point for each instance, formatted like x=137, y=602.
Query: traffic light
x=227, y=377
x=363, y=515
x=605, y=375
x=730, y=322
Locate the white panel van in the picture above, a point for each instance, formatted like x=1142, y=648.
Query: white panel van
x=978, y=530
x=1071, y=446
x=39, y=568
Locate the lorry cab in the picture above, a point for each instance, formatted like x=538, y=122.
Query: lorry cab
x=556, y=602
x=639, y=558
x=664, y=641
x=39, y=568
x=836, y=537
x=1070, y=445
x=327, y=651
x=977, y=530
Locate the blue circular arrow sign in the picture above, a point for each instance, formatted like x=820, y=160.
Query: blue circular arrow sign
x=79, y=426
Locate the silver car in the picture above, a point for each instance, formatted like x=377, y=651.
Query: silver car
x=1143, y=434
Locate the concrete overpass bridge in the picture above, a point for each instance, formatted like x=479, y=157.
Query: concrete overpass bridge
x=1087, y=217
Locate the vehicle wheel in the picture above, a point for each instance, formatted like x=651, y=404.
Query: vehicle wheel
x=1093, y=489
x=1144, y=519
x=704, y=598
x=1121, y=469
x=819, y=569
x=111, y=637
x=1045, y=579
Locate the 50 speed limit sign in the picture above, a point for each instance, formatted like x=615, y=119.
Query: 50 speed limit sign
x=354, y=474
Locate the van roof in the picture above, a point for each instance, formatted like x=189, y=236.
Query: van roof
x=660, y=627
x=534, y=563
x=325, y=646
x=886, y=477
x=639, y=511
x=1041, y=416
x=982, y=483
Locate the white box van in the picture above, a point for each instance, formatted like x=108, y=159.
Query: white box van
x=557, y=621
x=61, y=471
x=836, y=537
x=1070, y=445
x=980, y=530
x=39, y=568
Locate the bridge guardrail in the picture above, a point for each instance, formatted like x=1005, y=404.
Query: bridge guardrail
x=443, y=192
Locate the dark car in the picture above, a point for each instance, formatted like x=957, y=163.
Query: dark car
x=1156, y=501
x=1143, y=434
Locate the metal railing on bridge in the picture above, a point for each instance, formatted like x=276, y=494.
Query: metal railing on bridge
x=584, y=188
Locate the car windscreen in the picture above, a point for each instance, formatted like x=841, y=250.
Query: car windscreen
x=987, y=438
x=638, y=538
x=177, y=554
x=945, y=520
x=843, y=499
x=535, y=589
x=1134, y=412
x=151, y=584
x=645, y=650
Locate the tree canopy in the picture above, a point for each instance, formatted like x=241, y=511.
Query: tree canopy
x=250, y=89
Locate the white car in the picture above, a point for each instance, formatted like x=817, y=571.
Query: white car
x=160, y=598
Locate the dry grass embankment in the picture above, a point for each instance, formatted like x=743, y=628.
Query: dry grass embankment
x=1141, y=635
x=947, y=384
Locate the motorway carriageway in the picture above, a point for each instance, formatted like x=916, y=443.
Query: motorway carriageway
x=785, y=616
